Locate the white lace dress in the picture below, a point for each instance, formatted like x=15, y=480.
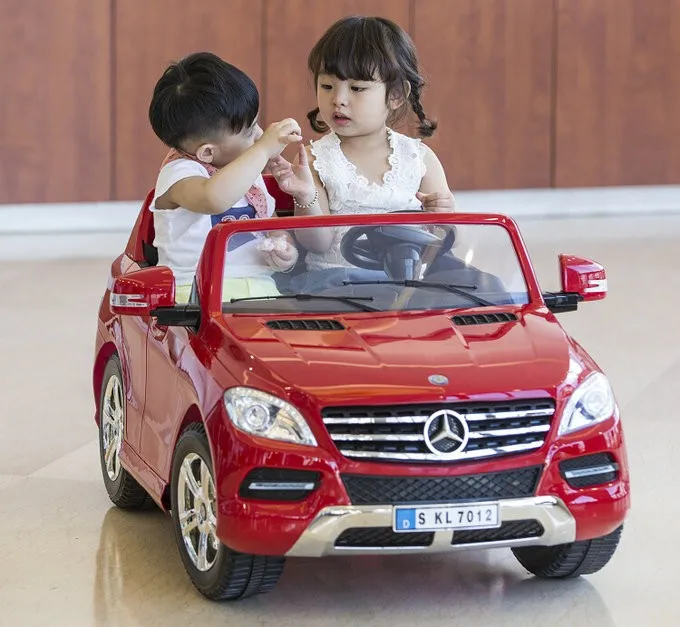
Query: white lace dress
x=349, y=192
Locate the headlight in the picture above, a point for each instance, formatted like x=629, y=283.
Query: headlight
x=590, y=403
x=267, y=416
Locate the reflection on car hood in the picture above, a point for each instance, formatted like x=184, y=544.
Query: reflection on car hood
x=395, y=356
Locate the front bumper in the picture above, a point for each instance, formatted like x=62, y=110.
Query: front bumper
x=333, y=519
x=320, y=537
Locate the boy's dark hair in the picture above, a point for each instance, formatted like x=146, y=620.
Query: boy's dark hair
x=200, y=96
x=366, y=49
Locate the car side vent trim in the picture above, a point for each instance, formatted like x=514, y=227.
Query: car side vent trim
x=302, y=324
x=488, y=318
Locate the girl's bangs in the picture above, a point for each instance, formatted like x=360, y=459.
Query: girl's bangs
x=354, y=56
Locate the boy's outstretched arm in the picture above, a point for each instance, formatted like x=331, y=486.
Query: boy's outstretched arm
x=222, y=190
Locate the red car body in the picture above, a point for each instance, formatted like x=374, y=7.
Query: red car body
x=174, y=376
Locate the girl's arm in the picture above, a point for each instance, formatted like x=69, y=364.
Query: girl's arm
x=434, y=193
x=302, y=182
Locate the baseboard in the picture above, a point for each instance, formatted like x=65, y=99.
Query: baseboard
x=62, y=230
x=108, y=217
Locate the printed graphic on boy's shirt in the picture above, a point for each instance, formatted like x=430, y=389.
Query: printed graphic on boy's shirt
x=230, y=215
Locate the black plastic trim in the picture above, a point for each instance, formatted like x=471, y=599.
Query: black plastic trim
x=305, y=324
x=561, y=302
x=484, y=318
x=178, y=316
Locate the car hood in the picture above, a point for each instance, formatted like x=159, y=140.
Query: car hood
x=412, y=357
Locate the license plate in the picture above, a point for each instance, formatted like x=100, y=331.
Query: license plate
x=436, y=517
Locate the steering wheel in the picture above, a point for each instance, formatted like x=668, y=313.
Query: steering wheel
x=397, y=249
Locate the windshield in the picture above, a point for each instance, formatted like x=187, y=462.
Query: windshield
x=378, y=267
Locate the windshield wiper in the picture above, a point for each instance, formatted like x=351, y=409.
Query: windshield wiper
x=349, y=300
x=454, y=289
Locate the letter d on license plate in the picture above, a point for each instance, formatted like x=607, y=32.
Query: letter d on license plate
x=435, y=517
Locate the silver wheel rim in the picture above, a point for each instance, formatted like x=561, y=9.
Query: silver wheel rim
x=113, y=425
x=196, y=511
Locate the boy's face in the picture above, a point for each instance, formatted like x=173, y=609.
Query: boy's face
x=227, y=146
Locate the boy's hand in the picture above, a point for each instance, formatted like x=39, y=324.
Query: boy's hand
x=278, y=135
x=296, y=180
x=437, y=201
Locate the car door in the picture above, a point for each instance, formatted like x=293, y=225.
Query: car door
x=165, y=346
x=130, y=334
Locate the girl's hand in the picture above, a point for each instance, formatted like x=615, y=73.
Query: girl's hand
x=279, y=251
x=296, y=180
x=437, y=201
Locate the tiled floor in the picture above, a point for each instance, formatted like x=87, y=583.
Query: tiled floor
x=67, y=557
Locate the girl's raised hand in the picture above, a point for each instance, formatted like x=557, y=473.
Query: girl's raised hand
x=294, y=179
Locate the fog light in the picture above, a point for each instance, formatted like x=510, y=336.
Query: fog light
x=589, y=470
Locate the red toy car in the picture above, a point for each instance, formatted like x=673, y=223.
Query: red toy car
x=410, y=391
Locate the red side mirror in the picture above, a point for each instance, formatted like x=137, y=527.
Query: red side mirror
x=583, y=277
x=139, y=292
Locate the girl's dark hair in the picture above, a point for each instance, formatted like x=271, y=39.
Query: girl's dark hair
x=366, y=49
x=200, y=96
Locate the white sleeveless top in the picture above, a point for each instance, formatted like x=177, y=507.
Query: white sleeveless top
x=349, y=192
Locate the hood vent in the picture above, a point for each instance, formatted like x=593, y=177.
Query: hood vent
x=305, y=325
x=490, y=318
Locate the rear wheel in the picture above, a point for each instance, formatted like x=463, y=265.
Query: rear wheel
x=122, y=488
x=569, y=560
x=216, y=571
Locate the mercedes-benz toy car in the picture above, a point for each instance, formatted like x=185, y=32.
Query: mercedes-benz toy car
x=406, y=388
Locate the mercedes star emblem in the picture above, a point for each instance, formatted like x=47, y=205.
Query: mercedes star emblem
x=446, y=433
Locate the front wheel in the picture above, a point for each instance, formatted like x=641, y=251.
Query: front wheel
x=216, y=571
x=563, y=561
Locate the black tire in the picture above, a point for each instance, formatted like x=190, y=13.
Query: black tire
x=123, y=489
x=569, y=560
x=231, y=575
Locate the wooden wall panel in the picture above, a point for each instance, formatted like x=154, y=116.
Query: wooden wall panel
x=292, y=29
x=618, y=92
x=55, y=98
x=489, y=65
x=151, y=34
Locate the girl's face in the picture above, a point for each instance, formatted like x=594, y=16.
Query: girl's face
x=353, y=108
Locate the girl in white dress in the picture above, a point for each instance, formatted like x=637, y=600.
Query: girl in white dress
x=367, y=76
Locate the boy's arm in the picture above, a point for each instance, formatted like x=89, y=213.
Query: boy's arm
x=216, y=194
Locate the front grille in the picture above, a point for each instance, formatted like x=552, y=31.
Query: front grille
x=510, y=530
x=376, y=490
x=376, y=537
x=589, y=470
x=399, y=432
x=302, y=324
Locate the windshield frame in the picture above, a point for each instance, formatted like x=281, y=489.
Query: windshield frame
x=211, y=264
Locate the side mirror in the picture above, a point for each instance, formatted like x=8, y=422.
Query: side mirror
x=583, y=277
x=138, y=293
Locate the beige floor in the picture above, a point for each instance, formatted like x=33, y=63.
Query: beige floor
x=68, y=558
